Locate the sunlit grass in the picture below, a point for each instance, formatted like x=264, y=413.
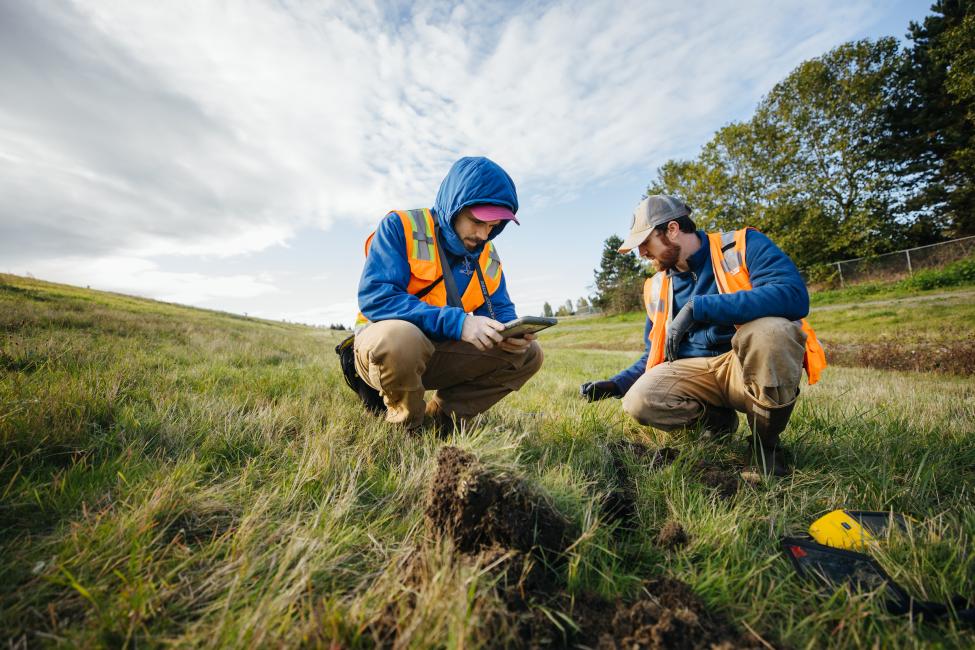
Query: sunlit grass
x=188, y=478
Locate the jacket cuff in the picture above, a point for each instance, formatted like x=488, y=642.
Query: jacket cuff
x=454, y=325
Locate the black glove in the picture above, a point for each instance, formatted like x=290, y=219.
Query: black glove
x=677, y=330
x=597, y=390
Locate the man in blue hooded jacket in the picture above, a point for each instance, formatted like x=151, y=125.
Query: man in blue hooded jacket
x=432, y=300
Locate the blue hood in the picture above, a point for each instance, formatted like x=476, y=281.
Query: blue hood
x=469, y=182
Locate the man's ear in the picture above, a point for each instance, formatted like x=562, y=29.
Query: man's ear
x=673, y=230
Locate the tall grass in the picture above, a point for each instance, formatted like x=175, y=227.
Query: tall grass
x=177, y=477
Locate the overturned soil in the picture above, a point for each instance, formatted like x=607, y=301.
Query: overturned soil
x=720, y=476
x=957, y=358
x=669, y=615
x=479, y=508
x=502, y=523
x=672, y=536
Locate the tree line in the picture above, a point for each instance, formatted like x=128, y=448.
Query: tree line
x=866, y=149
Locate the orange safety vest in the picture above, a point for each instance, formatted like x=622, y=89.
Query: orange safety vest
x=419, y=228
x=731, y=275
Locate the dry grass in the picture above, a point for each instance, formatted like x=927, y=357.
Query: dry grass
x=176, y=477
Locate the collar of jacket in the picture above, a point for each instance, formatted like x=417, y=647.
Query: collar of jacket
x=696, y=261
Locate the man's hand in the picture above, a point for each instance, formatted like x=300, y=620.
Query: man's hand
x=597, y=390
x=481, y=332
x=517, y=344
x=677, y=329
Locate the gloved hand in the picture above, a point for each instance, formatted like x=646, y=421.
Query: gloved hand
x=597, y=390
x=677, y=330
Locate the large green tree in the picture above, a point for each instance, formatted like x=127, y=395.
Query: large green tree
x=931, y=121
x=803, y=168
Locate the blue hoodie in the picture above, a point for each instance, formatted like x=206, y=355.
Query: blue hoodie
x=777, y=290
x=386, y=274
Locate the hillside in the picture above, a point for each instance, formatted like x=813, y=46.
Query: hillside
x=173, y=476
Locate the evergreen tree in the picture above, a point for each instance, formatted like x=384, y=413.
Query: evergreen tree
x=547, y=310
x=932, y=121
x=619, y=279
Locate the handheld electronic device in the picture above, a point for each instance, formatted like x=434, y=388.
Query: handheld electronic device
x=527, y=325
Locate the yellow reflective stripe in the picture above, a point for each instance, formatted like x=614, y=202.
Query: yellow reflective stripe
x=416, y=242
x=494, y=265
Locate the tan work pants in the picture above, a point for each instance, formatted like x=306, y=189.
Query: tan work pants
x=399, y=361
x=765, y=361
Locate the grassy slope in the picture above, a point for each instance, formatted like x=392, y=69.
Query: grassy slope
x=183, y=477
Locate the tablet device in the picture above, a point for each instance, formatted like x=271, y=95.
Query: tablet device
x=527, y=325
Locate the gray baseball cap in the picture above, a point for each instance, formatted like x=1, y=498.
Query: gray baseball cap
x=653, y=211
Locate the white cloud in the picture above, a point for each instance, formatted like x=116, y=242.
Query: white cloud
x=140, y=129
x=143, y=277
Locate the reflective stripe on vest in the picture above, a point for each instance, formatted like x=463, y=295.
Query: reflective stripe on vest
x=422, y=234
x=419, y=230
x=731, y=274
x=657, y=297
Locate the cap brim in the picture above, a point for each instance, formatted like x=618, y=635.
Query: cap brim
x=486, y=212
x=634, y=239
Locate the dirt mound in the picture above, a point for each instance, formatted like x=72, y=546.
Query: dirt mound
x=723, y=478
x=479, y=508
x=671, y=616
x=672, y=536
x=501, y=523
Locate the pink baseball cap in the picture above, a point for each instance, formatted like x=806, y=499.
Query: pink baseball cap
x=486, y=212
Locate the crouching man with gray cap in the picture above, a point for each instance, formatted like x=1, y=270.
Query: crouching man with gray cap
x=725, y=333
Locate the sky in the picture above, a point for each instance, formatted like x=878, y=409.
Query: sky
x=234, y=155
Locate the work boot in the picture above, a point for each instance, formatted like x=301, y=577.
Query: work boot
x=440, y=422
x=765, y=454
x=718, y=423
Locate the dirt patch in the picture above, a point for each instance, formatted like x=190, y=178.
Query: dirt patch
x=671, y=615
x=672, y=536
x=479, y=508
x=653, y=458
x=922, y=356
x=619, y=505
x=502, y=524
x=721, y=477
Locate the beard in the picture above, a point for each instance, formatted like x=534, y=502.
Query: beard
x=471, y=244
x=668, y=258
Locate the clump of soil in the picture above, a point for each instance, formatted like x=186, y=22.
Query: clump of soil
x=719, y=476
x=672, y=536
x=671, y=616
x=479, y=508
x=498, y=521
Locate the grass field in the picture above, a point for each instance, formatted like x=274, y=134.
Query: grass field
x=178, y=477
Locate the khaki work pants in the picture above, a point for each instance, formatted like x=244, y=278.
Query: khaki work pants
x=399, y=361
x=765, y=363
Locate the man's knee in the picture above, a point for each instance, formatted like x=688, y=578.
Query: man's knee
x=533, y=359
x=644, y=407
x=397, y=344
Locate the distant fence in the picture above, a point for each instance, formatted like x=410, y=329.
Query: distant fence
x=901, y=264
